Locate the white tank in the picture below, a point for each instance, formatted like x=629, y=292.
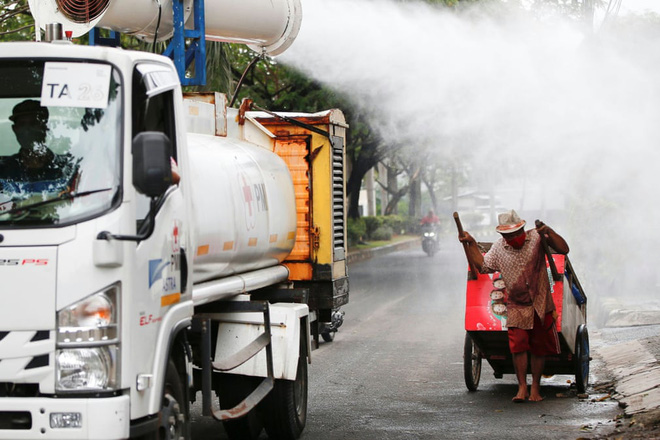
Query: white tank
x=268, y=26
x=244, y=207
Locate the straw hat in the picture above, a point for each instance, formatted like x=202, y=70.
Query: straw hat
x=509, y=222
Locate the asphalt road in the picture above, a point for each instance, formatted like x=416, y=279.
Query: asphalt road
x=395, y=368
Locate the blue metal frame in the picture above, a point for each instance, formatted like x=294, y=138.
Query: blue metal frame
x=95, y=38
x=176, y=50
x=196, y=50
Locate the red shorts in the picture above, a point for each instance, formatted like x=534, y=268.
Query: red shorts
x=542, y=340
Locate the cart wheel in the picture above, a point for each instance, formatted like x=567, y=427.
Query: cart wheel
x=471, y=364
x=582, y=359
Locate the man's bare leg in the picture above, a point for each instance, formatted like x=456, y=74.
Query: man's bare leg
x=520, y=365
x=537, y=370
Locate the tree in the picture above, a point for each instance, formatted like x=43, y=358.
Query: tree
x=365, y=149
x=16, y=22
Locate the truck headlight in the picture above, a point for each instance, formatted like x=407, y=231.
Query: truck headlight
x=87, y=369
x=88, y=348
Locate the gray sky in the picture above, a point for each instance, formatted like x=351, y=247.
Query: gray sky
x=640, y=5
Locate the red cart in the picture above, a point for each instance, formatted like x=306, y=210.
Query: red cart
x=485, y=324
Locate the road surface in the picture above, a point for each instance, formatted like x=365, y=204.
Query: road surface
x=395, y=368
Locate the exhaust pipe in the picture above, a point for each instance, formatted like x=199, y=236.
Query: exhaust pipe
x=266, y=26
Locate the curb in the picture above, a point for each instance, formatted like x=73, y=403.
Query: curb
x=636, y=374
x=365, y=254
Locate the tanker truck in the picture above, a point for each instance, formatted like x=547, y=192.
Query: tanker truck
x=158, y=249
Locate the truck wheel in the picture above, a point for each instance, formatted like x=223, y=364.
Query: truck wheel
x=174, y=407
x=582, y=359
x=233, y=389
x=285, y=409
x=471, y=364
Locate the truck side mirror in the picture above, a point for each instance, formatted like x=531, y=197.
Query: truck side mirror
x=152, y=171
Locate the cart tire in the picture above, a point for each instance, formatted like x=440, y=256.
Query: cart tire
x=582, y=359
x=471, y=364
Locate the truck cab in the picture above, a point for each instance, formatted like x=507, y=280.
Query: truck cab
x=126, y=289
x=85, y=286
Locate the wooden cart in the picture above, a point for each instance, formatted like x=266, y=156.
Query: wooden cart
x=485, y=324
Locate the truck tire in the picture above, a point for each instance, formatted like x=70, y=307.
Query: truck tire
x=233, y=389
x=285, y=409
x=175, y=417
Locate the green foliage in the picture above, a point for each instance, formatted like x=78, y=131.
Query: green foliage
x=218, y=69
x=378, y=226
x=269, y=84
x=372, y=223
x=16, y=22
x=395, y=222
x=356, y=230
x=411, y=225
x=382, y=233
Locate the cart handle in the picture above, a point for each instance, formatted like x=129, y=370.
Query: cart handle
x=473, y=275
x=553, y=268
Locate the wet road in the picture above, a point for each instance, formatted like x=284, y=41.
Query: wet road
x=394, y=370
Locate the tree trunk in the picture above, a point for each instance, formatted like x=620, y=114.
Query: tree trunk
x=371, y=192
x=415, y=206
x=354, y=184
x=382, y=172
x=392, y=206
x=392, y=188
x=434, y=198
x=366, y=160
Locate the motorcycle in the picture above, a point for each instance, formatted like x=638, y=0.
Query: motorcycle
x=430, y=243
x=330, y=328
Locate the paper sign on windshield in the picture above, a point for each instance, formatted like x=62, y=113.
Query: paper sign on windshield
x=75, y=85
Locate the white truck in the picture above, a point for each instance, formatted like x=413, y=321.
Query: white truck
x=156, y=249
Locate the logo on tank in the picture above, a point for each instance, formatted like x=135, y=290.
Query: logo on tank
x=254, y=198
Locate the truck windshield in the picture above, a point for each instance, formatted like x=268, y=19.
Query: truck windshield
x=60, y=133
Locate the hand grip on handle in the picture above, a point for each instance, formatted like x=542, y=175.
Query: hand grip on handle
x=553, y=267
x=473, y=275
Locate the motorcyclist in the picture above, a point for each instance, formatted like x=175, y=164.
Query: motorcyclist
x=430, y=219
x=430, y=223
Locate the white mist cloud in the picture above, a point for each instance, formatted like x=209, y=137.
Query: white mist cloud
x=574, y=113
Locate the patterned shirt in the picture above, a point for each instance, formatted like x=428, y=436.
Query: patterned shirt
x=525, y=276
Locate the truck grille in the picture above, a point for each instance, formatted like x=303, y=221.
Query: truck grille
x=338, y=199
x=8, y=389
x=23, y=356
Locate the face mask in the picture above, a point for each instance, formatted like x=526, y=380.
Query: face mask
x=517, y=242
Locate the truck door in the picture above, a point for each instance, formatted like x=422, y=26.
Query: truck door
x=158, y=284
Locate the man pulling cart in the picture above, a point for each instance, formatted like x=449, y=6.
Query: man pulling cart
x=518, y=309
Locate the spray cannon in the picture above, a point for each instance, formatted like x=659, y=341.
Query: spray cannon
x=266, y=26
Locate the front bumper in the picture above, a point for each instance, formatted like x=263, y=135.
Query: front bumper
x=102, y=418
